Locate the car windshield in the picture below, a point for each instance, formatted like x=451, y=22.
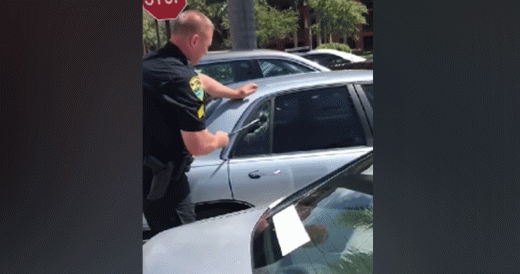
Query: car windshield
x=329, y=230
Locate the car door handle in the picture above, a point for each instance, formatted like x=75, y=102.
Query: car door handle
x=257, y=174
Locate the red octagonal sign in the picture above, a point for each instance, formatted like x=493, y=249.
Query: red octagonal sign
x=164, y=9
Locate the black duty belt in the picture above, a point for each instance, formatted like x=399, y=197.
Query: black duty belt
x=163, y=174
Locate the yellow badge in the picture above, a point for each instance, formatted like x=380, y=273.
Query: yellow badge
x=201, y=111
x=196, y=87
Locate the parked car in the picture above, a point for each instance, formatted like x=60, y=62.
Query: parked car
x=326, y=227
x=297, y=130
x=234, y=66
x=367, y=64
x=330, y=58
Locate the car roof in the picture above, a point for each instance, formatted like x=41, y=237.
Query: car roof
x=343, y=54
x=296, y=81
x=231, y=54
x=223, y=114
x=216, y=56
x=231, y=110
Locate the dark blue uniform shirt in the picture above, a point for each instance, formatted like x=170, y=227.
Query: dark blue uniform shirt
x=173, y=100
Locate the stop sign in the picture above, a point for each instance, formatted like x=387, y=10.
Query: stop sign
x=164, y=9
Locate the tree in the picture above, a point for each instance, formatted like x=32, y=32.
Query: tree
x=216, y=11
x=338, y=17
x=270, y=23
x=150, y=33
x=273, y=24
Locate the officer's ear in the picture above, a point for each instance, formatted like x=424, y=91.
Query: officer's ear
x=194, y=39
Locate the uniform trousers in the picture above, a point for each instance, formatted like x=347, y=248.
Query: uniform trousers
x=172, y=210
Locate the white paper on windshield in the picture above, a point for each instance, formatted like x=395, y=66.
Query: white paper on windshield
x=289, y=230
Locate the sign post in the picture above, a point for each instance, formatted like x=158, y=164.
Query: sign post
x=164, y=9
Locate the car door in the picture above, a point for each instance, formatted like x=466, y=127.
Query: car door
x=307, y=134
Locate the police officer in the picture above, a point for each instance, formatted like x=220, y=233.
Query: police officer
x=174, y=127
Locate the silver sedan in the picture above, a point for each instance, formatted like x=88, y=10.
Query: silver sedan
x=234, y=66
x=293, y=130
x=326, y=227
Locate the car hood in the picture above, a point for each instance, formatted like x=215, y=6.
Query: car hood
x=217, y=245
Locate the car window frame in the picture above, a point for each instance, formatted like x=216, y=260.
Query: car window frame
x=253, y=107
x=367, y=116
x=367, y=106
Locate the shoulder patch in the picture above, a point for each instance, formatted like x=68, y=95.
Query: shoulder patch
x=201, y=112
x=196, y=87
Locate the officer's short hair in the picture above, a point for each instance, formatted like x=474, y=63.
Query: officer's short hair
x=191, y=22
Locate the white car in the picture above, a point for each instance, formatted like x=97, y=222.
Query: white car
x=325, y=227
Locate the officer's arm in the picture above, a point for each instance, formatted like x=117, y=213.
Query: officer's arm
x=216, y=89
x=203, y=142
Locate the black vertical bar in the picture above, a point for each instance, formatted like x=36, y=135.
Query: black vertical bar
x=168, y=29
x=242, y=24
x=158, y=38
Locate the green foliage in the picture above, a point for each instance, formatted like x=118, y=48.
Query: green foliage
x=272, y=23
x=150, y=32
x=358, y=217
x=356, y=262
x=217, y=13
x=336, y=46
x=338, y=17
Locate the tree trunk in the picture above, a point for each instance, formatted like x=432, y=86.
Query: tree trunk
x=242, y=29
x=308, y=25
x=168, y=29
x=158, y=37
